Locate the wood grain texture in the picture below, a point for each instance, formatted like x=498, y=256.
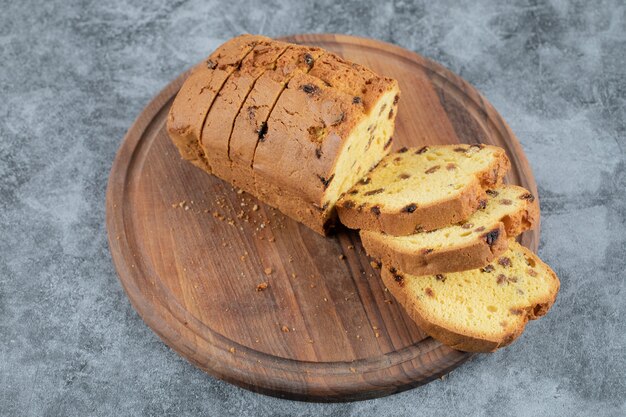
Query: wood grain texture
x=324, y=329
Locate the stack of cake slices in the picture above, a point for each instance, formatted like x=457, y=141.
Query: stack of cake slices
x=443, y=225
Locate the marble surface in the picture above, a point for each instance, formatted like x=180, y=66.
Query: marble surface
x=75, y=74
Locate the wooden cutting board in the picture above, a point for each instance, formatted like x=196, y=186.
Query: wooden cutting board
x=190, y=252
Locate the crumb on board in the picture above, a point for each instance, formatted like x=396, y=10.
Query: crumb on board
x=181, y=204
x=284, y=329
x=268, y=271
x=342, y=257
x=262, y=286
x=232, y=350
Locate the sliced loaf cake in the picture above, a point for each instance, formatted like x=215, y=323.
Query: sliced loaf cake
x=313, y=139
x=423, y=189
x=509, y=210
x=479, y=310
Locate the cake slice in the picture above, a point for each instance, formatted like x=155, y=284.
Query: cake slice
x=509, y=210
x=479, y=310
x=193, y=101
x=423, y=189
x=251, y=122
x=320, y=141
x=220, y=120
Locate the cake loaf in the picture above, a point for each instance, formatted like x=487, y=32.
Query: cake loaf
x=315, y=131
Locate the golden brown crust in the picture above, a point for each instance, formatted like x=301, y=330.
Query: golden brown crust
x=430, y=217
x=466, y=341
x=306, y=134
x=252, y=119
x=350, y=78
x=293, y=205
x=193, y=101
x=478, y=253
x=221, y=117
x=287, y=155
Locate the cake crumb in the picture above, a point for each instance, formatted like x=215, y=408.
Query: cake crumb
x=375, y=265
x=262, y=286
x=232, y=350
x=285, y=329
x=268, y=271
x=377, y=334
x=342, y=257
x=388, y=302
x=255, y=207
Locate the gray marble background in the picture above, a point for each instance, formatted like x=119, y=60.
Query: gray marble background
x=74, y=75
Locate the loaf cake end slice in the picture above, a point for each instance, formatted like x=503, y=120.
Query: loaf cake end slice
x=189, y=109
x=422, y=189
x=479, y=310
x=509, y=210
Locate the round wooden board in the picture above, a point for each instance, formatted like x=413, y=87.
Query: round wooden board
x=325, y=329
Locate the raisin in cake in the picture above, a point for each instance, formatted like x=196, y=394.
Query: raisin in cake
x=423, y=189
x=479, y=310
x=509, y=211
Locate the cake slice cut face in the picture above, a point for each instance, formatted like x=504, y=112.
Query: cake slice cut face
x=509, y=210
x=195, y=98
x=220, y=120
x=478, y=310
x=251, y=122
x=422, y=189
